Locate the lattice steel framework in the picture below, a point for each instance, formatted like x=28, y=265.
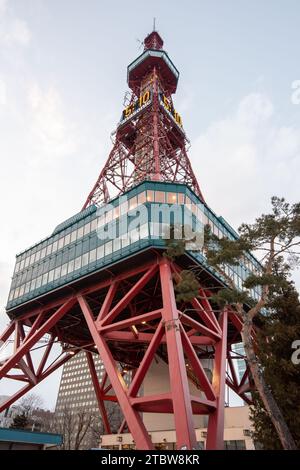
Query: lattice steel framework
x=131, y=314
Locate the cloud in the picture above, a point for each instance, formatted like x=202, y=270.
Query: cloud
x=51, y=131
x=247, y=157
x=3, y=7
x=13, y=30
x=3, y=92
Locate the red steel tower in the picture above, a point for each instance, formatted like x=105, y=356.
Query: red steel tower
x=116, y=296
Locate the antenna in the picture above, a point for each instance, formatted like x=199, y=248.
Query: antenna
x=154, y=21
x=141, y=43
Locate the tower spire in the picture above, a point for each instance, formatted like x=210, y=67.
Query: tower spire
x=150, y=142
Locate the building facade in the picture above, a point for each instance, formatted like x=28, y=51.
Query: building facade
x=237, y=434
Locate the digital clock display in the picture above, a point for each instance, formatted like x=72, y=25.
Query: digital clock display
x=137, y=105
x=167, y=104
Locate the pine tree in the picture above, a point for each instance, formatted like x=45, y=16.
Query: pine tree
x=278, y=331
x=277, y=237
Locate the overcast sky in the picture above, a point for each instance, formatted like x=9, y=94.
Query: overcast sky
x=62, y=83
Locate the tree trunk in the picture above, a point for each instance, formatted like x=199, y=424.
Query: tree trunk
x=266, y=396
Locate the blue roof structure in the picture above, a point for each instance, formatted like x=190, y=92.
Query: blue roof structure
x=30, y=437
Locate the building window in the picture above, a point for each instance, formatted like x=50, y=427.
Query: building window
x=141, y=198
x=159, y=196
x=234, y=445
x=171, y=198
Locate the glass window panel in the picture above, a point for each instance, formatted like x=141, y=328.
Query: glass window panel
x=38, y=282
x=108, y=248
x=172, y=198
x=117, y=244
x=57, y=272
x=108, y=216
x=141, y=198
x=125, y=241
x=80, y=232
x=51, y=275
x=85, y=259
x=132, y=203
x=67, y=239
x=43, y=253
x=73, y=236
x=188, y=202
x=77, y=264
x=100, y=252
x=93, y=255
x=60, y=243
x=159, y=196
x=150, y=196
x=144, y=231
x=93, y=225
x=54, y=246
x=21, y=290
x=45, y=278
x=155, y=229
x=181, y=198
x=31, y=260
x=32, y=284
x=87, y=228
x=71, y=266
x=64, y=269
x=134, y=235
x=17, y=291
x=22, y=264
x=116, y=212
x=49, y=249
x=27, y=287
x=26, y=262
x=124, y=207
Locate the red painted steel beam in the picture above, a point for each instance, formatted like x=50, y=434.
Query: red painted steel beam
x=27, y=371
x=45, y=356
x=207, y=317
x=132, y=417
x=183, y=415
x=215, y=428
x=204, y=300
x=130, y=321
x=36, y=324
x=129, y=296
x=146, y=361
x=232, y=368
x=28, y=387
x=28, y=354
x=236, y=390
x=7, y=332
x=107, y=302
x=27, y=345
x=197, y=367
x=199, y=327
x=98, y=392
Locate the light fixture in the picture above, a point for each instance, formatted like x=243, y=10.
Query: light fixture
x=134, y=329
x=119, y=439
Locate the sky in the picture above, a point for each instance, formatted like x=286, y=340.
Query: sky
x=62, y=85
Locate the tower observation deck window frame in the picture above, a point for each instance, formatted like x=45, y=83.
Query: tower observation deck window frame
x=74, y=249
